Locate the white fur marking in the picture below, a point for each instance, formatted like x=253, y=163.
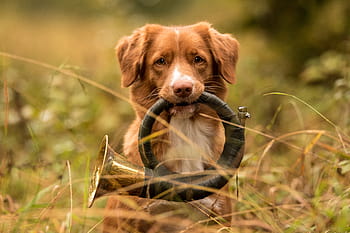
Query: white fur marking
x=178, y=76
x=191, y=154
x=177, y=33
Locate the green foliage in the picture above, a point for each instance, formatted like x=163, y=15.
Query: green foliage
x=295, y=174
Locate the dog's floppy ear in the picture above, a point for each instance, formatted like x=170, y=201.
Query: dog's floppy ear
x=130, y=53
x=225, y=50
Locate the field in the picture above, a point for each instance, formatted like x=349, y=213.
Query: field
x=60, y=94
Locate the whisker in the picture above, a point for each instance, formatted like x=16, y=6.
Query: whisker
x=150, y=98
x=215, y=87
x=212, y=85
x=154, y=94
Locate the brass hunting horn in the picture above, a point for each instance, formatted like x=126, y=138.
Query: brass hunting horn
x=113, y=174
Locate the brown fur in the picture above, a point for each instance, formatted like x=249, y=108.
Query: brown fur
x=150, y=78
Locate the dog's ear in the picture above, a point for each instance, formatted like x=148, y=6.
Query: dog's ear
x=130, y=53
x=225, y=51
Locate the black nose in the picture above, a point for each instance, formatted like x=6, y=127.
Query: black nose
x=183, y=89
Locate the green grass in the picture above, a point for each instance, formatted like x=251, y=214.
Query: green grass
x=60, y=93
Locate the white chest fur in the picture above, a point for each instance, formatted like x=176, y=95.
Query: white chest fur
x=187, y=154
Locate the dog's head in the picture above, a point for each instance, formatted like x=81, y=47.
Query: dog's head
x=177, y=63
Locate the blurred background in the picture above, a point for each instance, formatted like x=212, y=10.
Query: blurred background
x=301, y=48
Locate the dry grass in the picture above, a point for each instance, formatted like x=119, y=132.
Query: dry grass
x=294, y=177
x=304, y=189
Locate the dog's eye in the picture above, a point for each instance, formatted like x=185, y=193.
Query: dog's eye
x=198, y=59
x=161, y=61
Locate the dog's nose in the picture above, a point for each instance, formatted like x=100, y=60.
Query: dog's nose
x=183, y=89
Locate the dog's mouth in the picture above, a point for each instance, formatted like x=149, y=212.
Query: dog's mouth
x=184, y=109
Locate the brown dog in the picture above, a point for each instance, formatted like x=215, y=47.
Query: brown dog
x=177, y=64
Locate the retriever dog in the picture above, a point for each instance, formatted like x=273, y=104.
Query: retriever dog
x=177, y=64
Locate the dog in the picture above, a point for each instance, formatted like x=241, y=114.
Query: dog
x=177, y=64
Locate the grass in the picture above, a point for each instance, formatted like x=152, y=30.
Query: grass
x=294, y=176
x=306, y=189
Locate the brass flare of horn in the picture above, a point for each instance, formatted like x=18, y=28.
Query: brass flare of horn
x=113, y=174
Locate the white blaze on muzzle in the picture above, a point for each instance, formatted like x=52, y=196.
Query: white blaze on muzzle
x=178, y=76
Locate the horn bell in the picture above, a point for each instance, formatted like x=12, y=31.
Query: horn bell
x=113, y=174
